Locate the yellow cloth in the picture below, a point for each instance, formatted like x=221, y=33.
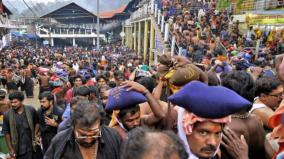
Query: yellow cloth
x=113, y=121
x=172, y=87
x=221, y=58
x=170, y=74
x=258, y=33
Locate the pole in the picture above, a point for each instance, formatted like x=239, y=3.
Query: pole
x=123, y=37
x=145, y=41
x=139, y=38
x=152, y=41
x=98, y=25
x=36, y=35
x=135, y=37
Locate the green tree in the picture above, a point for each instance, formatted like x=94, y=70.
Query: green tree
x=223, y=4
x=239, y=3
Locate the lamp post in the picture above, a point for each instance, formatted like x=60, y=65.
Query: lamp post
x=98, y=25
x=34, y=18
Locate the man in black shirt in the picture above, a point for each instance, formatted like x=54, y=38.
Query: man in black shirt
x=19, y=126
x=87, y=138
x=49, y=117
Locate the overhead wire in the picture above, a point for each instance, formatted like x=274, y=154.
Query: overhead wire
x=25, y=14
x=29, y=8
x=37, y=6
x=12, y=6
x=32, y=7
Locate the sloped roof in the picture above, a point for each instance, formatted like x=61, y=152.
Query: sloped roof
x=110, y=14
x=71, y=14
x=102, y=15
x=65, y=5
x=6, y=10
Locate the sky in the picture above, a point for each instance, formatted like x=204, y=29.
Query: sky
x=90, y=5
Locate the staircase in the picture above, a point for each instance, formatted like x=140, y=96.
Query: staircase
x=166, y=45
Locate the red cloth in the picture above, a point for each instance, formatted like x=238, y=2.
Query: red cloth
x=281, y=149
x=69, y=95
x=90, y=83
x=56, y=90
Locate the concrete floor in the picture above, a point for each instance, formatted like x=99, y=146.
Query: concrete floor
x=33, y=101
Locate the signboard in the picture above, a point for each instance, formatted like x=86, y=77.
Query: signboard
x=45, y=42
x=265, y=19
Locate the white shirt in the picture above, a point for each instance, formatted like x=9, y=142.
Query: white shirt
x=257, y=106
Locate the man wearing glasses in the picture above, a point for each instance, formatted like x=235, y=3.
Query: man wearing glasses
x=87, y=139
x=269, y=93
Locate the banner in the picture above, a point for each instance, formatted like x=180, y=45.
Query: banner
x=265, y=19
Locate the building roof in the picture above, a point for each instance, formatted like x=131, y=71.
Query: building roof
x=6, y=10
x=102, y=15
x=63, y=7
x=71, y=13
x=110, y=14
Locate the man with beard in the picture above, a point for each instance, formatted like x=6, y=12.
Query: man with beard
x=49, y=117
x=77, y=82
x=80, y=93
x=19, y=126
x=87, y=139
x=103, y=95
x=202, y=119
x=269, y=94
x=127, y=114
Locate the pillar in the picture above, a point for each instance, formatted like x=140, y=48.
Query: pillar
x=123, y=38
x=162, y=24
x=152, y=41
x=152, y=6
x=135, y=37
x=51, y=42
x=127, y=36
x=167, y=31
x=94, y=41
x=139, y=38
x=159, y=17
x=131, y=37
x=145, y=40
x=173, y=45
x=156, y=10
x=74, y=42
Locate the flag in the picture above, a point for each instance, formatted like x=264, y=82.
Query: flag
x=1, y=7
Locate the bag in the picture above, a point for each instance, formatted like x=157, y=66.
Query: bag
x=38, y=153
x=185, y=74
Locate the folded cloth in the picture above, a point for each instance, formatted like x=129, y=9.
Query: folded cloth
x=212, y=102
x=120, y=98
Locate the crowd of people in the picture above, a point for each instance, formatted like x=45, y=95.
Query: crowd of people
x=222, y=99
x=109, y=104
x=203, y=32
